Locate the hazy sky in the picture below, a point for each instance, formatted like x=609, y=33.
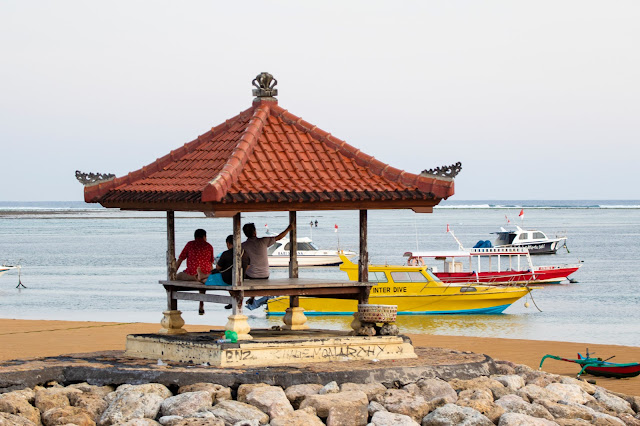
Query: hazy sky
x=537, y=99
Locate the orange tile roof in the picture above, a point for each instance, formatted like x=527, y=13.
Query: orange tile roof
x=267, y=156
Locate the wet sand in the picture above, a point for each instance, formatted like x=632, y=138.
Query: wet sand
x=25, y=339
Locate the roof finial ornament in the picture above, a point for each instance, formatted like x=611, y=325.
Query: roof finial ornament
x=444, y=171
x=89, y=179
x=265, y=84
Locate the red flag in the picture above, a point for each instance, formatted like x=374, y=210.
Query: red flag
x=336, y=227
x=521, y=214
x=508, y=221
x=447, y=227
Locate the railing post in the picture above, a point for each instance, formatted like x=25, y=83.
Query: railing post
x=171, y=246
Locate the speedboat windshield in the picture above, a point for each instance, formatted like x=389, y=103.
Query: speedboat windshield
x=273, y=248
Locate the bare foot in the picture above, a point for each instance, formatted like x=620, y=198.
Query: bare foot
x=202, y=277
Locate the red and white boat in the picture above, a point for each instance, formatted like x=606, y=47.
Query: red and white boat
x=492, y=265
x=495, y=265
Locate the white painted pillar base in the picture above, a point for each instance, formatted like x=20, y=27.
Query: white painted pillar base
x=172, y=323
x=240, y=325
x=295, y=319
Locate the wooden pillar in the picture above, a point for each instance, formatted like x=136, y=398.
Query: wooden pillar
x=293, y=255
x=171, y=246
x=237, y=261
x=363, y=265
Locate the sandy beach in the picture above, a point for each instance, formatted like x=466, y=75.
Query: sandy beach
x=25, y=339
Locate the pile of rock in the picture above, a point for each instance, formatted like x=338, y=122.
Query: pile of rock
x=518, y=396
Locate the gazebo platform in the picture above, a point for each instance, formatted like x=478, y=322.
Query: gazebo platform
x=269, y=347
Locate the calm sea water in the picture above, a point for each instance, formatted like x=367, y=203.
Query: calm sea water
x=86, y=263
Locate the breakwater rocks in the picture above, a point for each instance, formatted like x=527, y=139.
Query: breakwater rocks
x=516, y=396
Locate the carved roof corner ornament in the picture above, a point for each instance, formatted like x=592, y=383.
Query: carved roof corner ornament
x=265, y=84
x=89, y=179
x=444, y=171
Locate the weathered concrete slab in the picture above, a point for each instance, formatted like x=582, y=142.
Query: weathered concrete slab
x=269, y=348
x=113, y=367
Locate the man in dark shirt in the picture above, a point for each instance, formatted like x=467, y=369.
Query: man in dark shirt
x=226, y=261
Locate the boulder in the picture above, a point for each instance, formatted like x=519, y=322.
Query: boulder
x=613, y=403
x=533, y=393
x=27, y=393
x=92, y=403
x=584, y=385
x=484, y=393
x=186, y=403
x=515, y=404
x=297, y=393
x=7, y=419
x=218, y=392
x=48, y=398
x=434, y=388
x=130, y=405
x=572, y=422
x=139, y=422
x=354, y=402
x=505, y=367
x=67, y=415
x=195, y=421
x=629, y=420
x=482, y=382
x=454, y=415
x=569, y=393
x=488, y=408
x=244, y=389
x=385, y=418
x=17, y=404
x=331, y=387
x=371, y=389
x=269, y=399
x=374, y=407
x=232, y=412
x=155, y=388
x=343, y=415
x=511, y=381
x=567, y=411
x=403, y=402
x=305, y=417
x=87, y=389
x=518, y=419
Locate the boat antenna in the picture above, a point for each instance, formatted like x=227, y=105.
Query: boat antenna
x=454, y=237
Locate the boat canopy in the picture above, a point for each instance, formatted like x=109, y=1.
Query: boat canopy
x=494, y=251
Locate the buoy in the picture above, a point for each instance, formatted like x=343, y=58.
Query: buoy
x=526, y=304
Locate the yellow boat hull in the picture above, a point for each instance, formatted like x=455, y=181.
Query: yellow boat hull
x=426, y=296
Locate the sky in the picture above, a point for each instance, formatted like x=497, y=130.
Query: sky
x=537, y=99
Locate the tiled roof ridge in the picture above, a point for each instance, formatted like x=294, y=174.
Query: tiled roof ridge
x=424, y=183
x=217, y=188
x=93, y=192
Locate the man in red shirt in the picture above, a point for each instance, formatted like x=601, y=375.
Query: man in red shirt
x=199, y=254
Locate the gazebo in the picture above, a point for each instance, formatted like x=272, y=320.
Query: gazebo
x=266, y=159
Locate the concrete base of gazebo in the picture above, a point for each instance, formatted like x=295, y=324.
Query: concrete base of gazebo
x=269, y=347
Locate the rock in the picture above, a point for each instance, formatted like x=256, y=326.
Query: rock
x=511, y=381
x=629, y=420
x=612, y=402
x=584, y=385
x=431, y=389
x=234, y=411
x=569, y=393
x=497, y=388
x=505, y=367
x=92, y=403
x=453, y=415
x=247, y=423
x=540, y=378
x=244, y=389
x=366, y=330
x=344, y=415
x=139, y=422
x=331, y=387
x=87, y=389
x=297, y=393
x=194, y=421
x=186, y=403
x=27, y=393
x=401, y=401
x=65, y=415
x=567, y=411
x=533, y=393
x=374, y=407
x=17, y=404
x=354, y=401
x=518, y=419
x=7, y=419
x=271, y=400
x=155, y=388
x=371, y=389
x=305, y=417
x=476, y=394
x=515, y=404
x=48, y=398
x=572, y=422
x=388, y=329
x=130, y=405
x=218, y=392
x=488, y=408
x=385, y=418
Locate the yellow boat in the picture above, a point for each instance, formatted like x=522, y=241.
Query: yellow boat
x=415, y=290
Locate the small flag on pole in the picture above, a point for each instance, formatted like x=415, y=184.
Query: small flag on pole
x=447, y=227
x=521, y=214
x=266, y=228
x=507, y=219
x=335, y=227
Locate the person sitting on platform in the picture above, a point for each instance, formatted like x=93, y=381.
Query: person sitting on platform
x=256, y=249
x=198, y=253
x=224, y=264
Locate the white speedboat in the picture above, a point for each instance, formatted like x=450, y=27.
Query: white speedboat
x=531, y=239
x=6, y=268
x=308, y=254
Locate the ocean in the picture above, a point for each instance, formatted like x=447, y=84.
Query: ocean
x=83, y=262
